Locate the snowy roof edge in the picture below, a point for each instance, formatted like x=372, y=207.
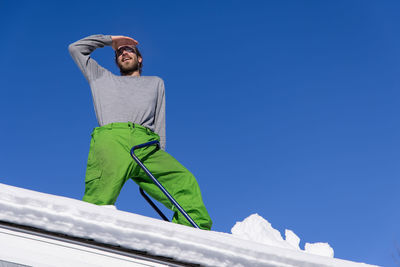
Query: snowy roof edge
x=92, y=244
x=135, y=232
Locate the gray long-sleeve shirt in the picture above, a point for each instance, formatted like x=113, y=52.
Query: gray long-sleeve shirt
x=138, y=99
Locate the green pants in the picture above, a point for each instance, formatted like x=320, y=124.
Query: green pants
x=110, y=165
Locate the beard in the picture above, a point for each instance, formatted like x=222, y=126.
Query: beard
x=127, y=69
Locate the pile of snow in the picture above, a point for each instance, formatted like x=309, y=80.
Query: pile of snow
x=256, y=228
x=111, y=226
x=322, y=249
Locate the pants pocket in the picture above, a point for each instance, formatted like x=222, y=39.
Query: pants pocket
x=92, y=174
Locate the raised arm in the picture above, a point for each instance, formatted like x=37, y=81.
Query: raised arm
x=160, y=114
x=80, y=51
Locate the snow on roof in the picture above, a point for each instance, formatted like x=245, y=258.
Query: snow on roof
x=131, y=231
x=258, y=229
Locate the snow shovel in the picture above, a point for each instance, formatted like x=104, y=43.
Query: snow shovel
x=166, y=193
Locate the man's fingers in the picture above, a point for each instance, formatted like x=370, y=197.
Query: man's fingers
x=116, y=37
x=119, y=40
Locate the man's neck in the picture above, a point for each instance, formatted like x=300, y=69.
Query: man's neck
x=135, y=73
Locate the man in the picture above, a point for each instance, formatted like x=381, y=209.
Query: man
x=130, y=110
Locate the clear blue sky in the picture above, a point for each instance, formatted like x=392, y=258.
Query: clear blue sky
x=288, y=109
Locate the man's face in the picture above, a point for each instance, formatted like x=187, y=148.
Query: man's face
x=127, y=59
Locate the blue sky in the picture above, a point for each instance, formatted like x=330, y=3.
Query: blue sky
x=288, y=109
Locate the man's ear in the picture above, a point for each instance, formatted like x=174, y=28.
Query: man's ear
x=140, y=59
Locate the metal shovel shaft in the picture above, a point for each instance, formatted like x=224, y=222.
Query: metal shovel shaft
x=166, y=193
x=147, y=198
